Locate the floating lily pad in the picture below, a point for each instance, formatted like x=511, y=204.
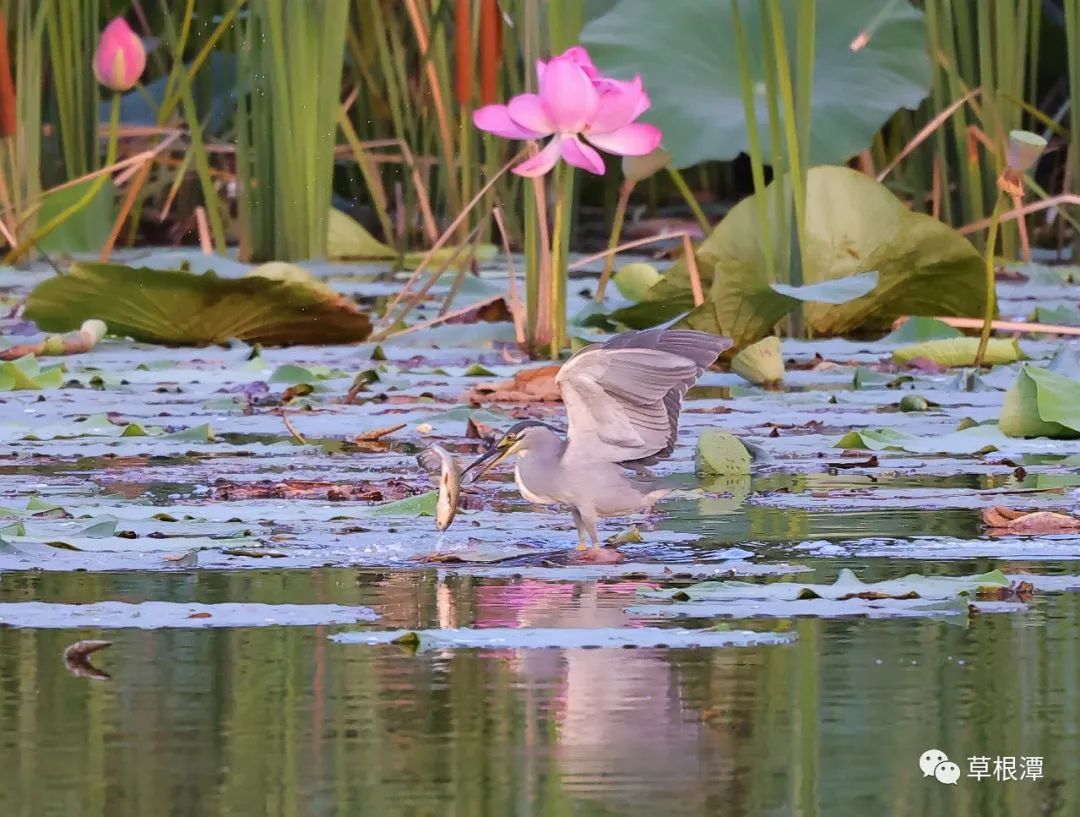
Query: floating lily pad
x=973, y=440
x=539, y=638
x=26, y=373
x=910, y=595
x=1063, y=315
x=419, y=505
x=961, y=351
x=154, y=615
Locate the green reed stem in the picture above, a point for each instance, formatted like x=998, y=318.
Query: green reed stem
x=286, y=126
x=991, y=299
x=91, y=192
x=560, y=247
x=73, y=29
x=689, y=198
x=753, y=136
x=795, y=165
x=1072, y=38
x=625, y=189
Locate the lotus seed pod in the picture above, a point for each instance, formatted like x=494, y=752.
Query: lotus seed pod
x=1025, y=148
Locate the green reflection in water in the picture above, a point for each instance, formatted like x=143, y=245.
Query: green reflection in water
x=280, y=721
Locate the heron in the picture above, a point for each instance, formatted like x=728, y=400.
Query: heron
x=622, y=400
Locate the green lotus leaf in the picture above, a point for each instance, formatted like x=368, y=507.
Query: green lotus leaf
x=182, y=308
x=686, y=52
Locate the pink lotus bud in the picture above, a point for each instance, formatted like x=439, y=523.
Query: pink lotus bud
x=120, y=57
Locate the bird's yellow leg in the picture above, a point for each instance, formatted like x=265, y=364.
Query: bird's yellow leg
x=581, y=544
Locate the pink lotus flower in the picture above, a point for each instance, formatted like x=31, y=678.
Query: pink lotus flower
x=120, y=57
x=575, y=104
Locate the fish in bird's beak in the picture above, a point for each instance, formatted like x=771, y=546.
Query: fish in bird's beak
x=490, y=458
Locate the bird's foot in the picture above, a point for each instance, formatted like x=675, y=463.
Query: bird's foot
x=598, y=556
x=581, y=544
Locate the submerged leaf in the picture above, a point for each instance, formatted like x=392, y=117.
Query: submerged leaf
x=177, y=307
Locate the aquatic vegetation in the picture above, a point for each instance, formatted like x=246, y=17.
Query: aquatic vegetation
x=575, y=103
x=120, y=58
x=180, y=307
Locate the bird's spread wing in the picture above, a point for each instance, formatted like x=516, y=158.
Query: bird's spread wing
x=623, y=397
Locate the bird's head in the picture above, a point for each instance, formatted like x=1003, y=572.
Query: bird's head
x=521, y=437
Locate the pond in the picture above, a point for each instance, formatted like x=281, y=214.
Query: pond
x=255, y=580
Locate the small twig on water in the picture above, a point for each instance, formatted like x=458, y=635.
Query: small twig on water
x=292, y=429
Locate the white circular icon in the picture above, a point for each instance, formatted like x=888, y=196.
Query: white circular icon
x=930, y=760
x=947, y=772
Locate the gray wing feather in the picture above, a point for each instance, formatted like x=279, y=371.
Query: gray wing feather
x=623, y=397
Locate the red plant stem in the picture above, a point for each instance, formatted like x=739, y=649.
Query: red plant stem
x=463, y=51
x=8, y=120
x=490, y=50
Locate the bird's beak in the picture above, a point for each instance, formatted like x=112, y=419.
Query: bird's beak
x=490, y=458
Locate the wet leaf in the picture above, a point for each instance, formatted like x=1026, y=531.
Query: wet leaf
x=178, y=307
x=1006, y=520
x=419, y=505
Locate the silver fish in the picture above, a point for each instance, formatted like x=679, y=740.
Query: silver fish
x=437, y=457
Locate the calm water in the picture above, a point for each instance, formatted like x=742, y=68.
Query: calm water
x=282, y=721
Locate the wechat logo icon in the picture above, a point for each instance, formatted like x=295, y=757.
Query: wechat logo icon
x=935, y=763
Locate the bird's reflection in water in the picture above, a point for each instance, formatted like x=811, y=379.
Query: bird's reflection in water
x=623, y=727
